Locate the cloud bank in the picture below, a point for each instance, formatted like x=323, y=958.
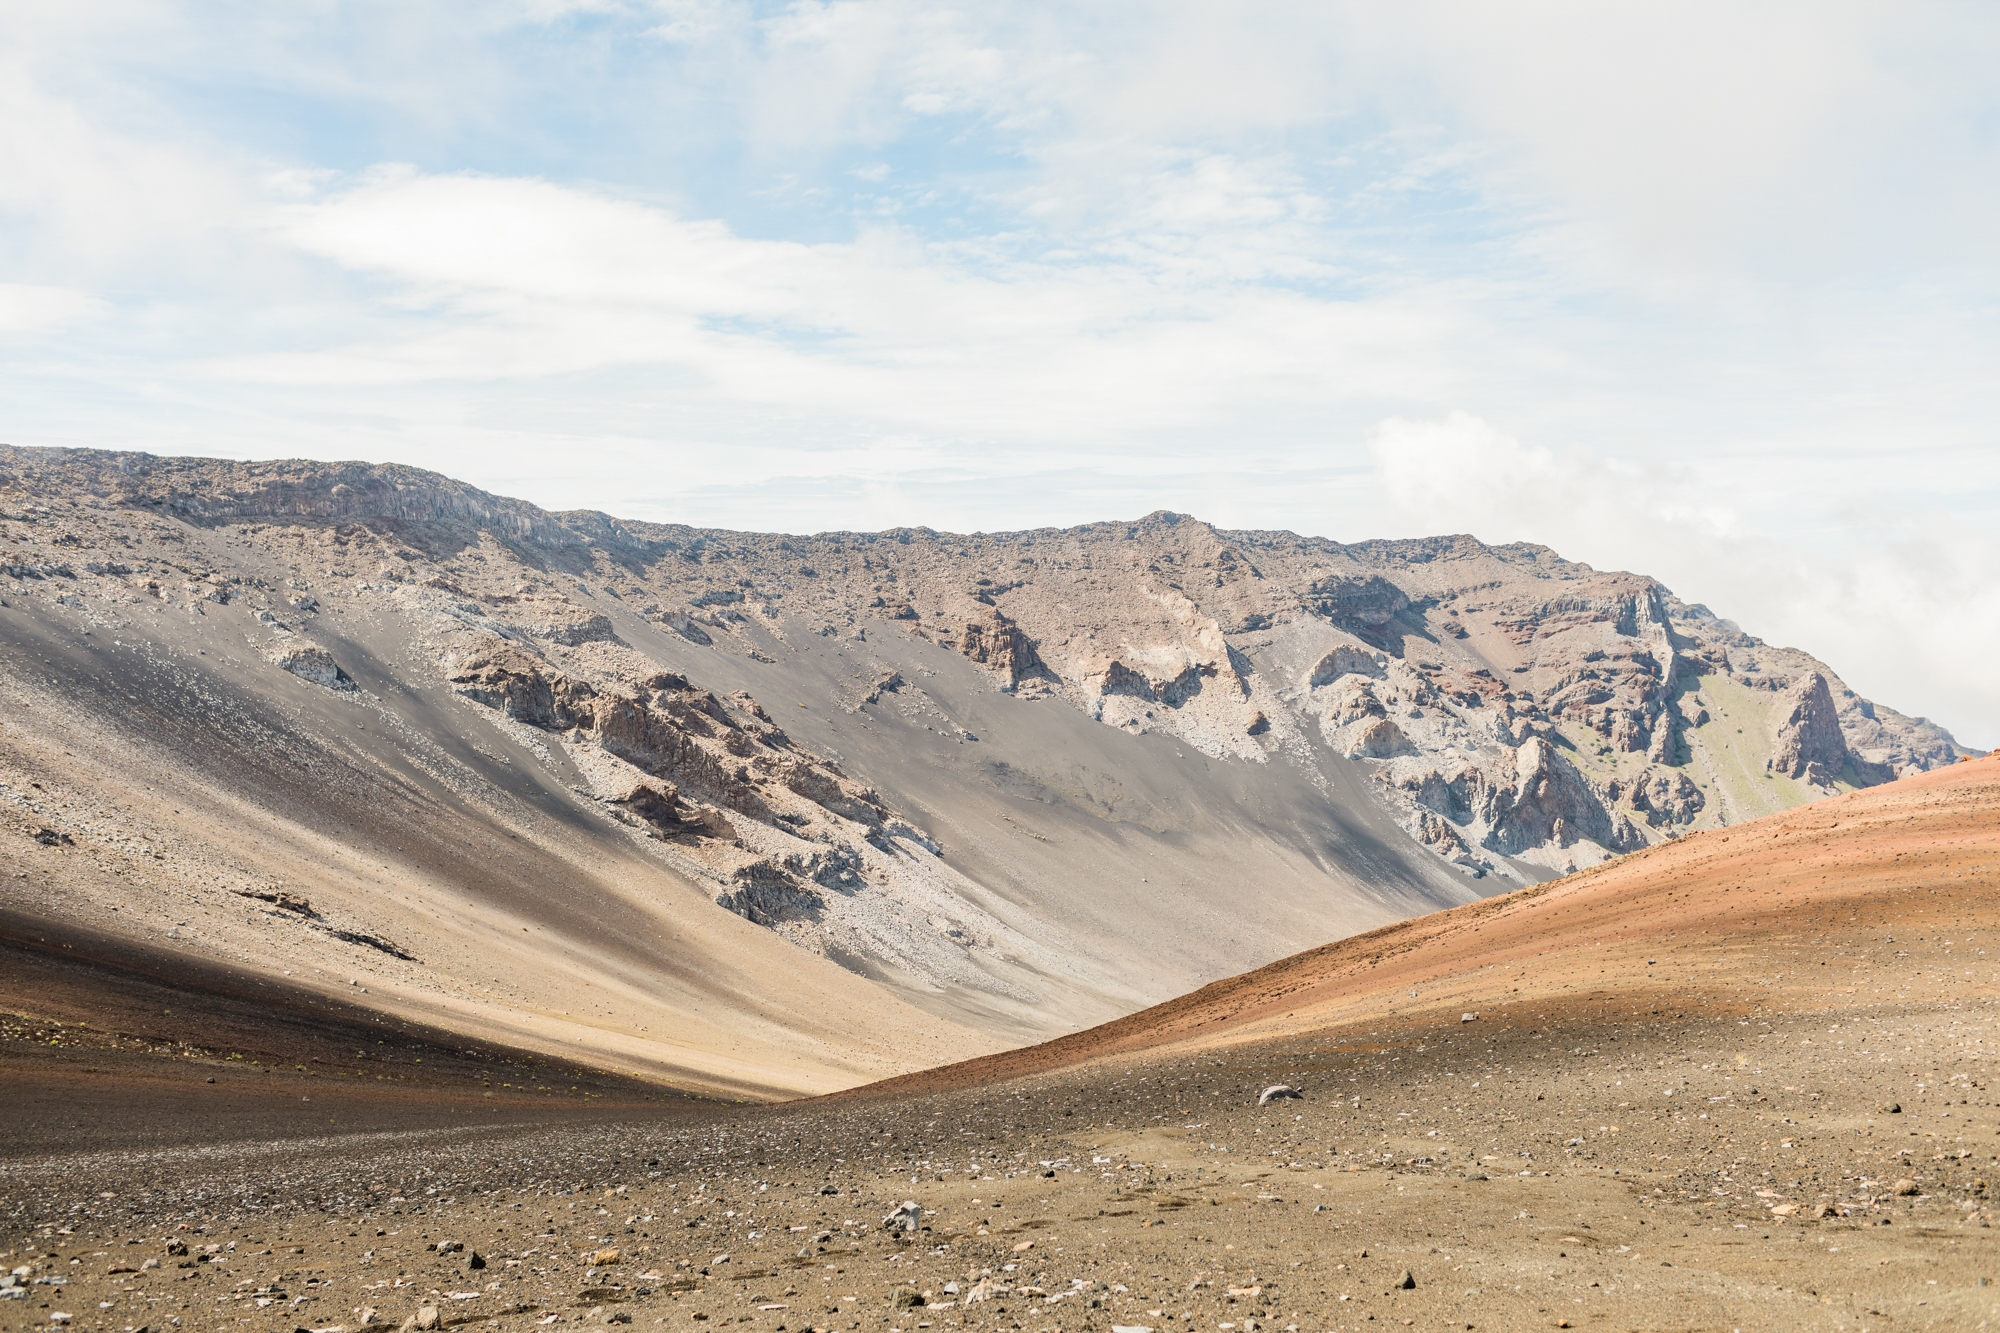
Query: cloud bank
x=1706, y=292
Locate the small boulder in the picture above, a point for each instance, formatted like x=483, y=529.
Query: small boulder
x=1277, y=1092
x=474, y=1261
x=611, y=1256
x=1407, y=1282
x=905, y=1298
x=1904, y=1187
x=906, y=1220
x=314, y=664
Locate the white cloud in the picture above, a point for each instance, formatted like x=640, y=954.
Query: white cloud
x=839, y=262
x=25, y=308
x=495, y=278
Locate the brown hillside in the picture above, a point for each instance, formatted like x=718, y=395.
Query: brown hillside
x=1868, y=898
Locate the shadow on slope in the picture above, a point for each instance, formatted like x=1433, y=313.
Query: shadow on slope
x=1797, y=910
x=107, y=1043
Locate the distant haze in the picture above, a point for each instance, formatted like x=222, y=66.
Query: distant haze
x=1704, y=292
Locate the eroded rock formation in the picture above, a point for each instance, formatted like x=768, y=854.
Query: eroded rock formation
x=1513, y=706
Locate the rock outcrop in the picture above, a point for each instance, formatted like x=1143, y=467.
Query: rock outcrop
x=1807, y=741
x=309, y=662
x=1546, y=711
x=997, y=643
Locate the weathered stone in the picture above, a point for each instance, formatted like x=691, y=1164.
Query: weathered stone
x=1808, y=742
x=313, y=663
x=906, y=1219
x=998, y=643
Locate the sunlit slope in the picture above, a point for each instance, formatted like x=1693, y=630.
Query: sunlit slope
x=194, y=802
x=1876, y=898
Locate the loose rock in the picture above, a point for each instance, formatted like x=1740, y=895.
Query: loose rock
x=906, y=1220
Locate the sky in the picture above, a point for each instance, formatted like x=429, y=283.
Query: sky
x=1706, y=291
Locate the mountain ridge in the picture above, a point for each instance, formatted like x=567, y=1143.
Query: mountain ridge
x=1023, y=782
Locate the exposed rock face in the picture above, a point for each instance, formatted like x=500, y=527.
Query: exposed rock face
x=1544, y=711
x=672, y=730
x=315, y=664
x=208, y=490
x=786, y=839
x=997, y=643
x=1378, y=739
x=659, y=804
x=1361, y=605
x=1808, y=742
x=1666, y=798
x=1343, y=661
x=573, y=626
x=1550, y=803
x=516, y=682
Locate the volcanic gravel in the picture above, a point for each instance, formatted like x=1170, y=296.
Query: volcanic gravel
x=1731, y=1171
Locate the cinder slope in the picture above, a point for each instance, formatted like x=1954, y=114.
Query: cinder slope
x=106, y=1043
x=210, y=806
x=1863, y=902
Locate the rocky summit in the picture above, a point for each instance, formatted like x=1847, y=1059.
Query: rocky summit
x=686, y=801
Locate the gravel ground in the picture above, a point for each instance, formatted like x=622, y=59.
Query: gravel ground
x=1726, y=1173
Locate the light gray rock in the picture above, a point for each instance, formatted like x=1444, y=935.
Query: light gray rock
x=311, y=662
x=906, y=1220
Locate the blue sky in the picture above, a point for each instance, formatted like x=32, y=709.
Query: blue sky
x=1703, y=290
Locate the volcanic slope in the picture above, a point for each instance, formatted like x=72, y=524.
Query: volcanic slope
x=1863, y=903
x=759, y=815
x=1744, y=1081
